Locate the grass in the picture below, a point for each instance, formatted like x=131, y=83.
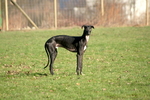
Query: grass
x=116, y=66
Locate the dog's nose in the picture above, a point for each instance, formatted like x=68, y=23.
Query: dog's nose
x=89, y=33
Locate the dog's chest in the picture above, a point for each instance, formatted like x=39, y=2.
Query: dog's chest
x=84, y=47
x=87, y=38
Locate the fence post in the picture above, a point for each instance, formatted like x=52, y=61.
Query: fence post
x=55, y=13
x=102, y=7
x=6, y=14
x=147, y=12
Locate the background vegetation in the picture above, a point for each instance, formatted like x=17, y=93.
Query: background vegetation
x=116, y=66
x=70, y=13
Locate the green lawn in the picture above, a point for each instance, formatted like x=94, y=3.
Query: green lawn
x=116, y=66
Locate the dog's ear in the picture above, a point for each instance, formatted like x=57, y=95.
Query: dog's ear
x=92, y=27
x=83, y=26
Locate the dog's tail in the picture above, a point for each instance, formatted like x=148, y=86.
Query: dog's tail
x=46, y=49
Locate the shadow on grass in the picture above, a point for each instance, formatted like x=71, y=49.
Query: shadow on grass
x=37, y=74
x=20, y=74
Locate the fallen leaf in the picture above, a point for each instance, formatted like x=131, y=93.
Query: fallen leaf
x=104, y=89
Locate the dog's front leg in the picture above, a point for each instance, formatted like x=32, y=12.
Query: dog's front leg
x=79, y=64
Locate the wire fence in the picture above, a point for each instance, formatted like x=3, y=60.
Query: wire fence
x=77, y=12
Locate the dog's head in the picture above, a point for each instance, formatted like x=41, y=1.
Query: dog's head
x=87, y=29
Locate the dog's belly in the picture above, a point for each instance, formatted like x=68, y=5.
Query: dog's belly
x=58, y=45
x=71, y=48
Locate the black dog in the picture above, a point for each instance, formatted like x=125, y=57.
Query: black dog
x=71, y=43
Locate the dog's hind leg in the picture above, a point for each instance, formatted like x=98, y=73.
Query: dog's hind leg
x=53, y=54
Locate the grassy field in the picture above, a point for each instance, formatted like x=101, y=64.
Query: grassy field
x=116, y=66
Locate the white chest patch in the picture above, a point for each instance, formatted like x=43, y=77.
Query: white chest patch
x=87, y=38
x=84, y=48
